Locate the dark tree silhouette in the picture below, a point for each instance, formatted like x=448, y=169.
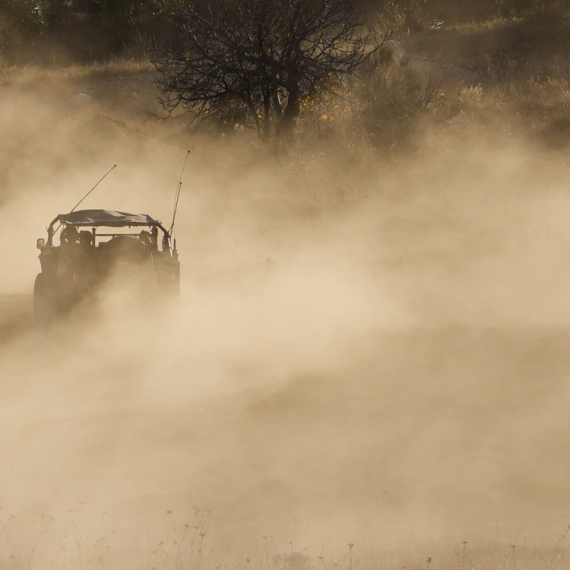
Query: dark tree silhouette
x=253, y=63
x=21, y=22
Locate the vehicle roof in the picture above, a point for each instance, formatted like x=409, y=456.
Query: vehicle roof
x=109, y=218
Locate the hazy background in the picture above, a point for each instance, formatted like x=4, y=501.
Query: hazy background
x=369, y=354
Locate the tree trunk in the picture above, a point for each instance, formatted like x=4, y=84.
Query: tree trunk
x=266, y=113
x=286, y=128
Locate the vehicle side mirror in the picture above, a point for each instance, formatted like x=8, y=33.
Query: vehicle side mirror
x=41, y=243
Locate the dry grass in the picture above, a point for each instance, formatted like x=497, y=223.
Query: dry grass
x=177, y=543
x=31, y=76
x=513, y=76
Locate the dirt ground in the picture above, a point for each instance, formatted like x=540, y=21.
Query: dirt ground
x=375, y=357
x=16, y=315
x=446, y=434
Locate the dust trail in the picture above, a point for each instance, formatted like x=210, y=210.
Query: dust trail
x=364, y=355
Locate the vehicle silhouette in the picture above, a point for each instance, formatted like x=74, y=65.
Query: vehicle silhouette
x=95, y=245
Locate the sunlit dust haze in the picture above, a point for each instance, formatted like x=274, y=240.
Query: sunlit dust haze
x=371, y=355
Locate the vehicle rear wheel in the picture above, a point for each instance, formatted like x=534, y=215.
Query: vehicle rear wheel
x=44, y=307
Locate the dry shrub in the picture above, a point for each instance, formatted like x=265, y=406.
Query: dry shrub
x=533, y=109
x=292, y=561
x=471, y=97
x=394, y=104
x=407, y=15
x=533, y=9
x=542, y=105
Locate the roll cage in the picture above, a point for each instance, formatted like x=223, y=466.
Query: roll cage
x=107, y=219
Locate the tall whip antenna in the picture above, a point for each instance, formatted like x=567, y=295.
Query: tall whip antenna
x=109, y=172
x=74, y=207
x=177, y=195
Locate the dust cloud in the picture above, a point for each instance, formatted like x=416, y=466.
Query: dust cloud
x=370, y=355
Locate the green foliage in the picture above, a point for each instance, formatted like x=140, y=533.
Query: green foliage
x=22, y=21
x=83, y=30
x=134, y=9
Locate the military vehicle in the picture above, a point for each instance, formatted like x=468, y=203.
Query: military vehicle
x=97, y=244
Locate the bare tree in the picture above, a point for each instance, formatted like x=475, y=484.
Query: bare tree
x=253, y=63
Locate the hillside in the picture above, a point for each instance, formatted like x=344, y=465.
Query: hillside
x=507, y=78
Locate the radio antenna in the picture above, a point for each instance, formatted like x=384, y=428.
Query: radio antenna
x=101, y=180
x=177, y=195
x=107, y=174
